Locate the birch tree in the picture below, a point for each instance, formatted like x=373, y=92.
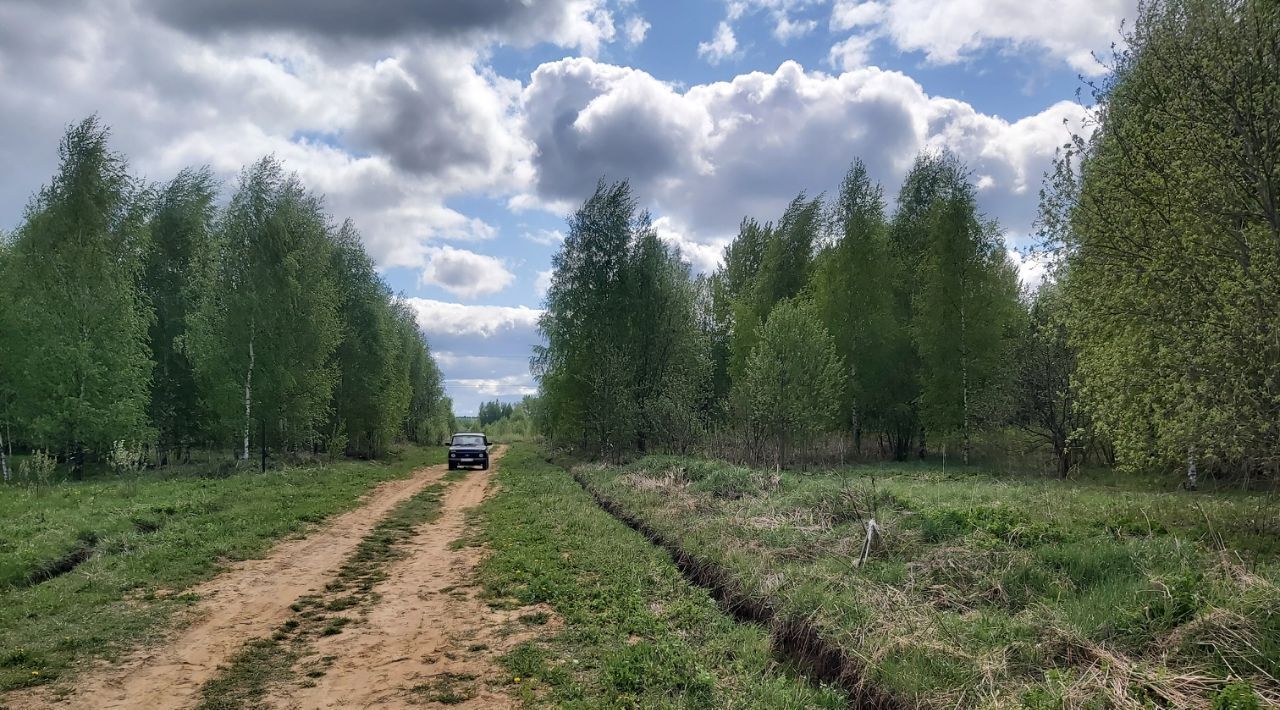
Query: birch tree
x=79, y=366
x=965, y=313
x=853, y=290
x=1173, y=238
x=181, y=235
x=268, y=324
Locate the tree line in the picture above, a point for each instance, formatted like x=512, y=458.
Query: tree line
x=903, y=328
x=153, y=315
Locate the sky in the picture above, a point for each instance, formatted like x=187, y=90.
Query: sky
x=457, y=135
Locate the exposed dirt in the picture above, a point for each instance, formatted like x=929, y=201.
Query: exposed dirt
x=429, y=640
x=245, y=602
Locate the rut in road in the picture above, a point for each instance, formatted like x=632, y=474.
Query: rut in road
x=428, y=638
x=246, y=602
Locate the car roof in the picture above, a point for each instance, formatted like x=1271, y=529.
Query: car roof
x=469, y=433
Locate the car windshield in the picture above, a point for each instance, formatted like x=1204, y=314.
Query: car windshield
x=468, y=441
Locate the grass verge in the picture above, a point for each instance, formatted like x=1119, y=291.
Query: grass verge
x=95, y=568
x=636, y=634
x=986, y=592
x=263, y=663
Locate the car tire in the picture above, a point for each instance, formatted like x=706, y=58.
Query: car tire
x=453, y=466
x=484, y=466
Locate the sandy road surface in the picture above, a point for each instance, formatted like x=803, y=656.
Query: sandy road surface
x=246, y=602
x=428, y=637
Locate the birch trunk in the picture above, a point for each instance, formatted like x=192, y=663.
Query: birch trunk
x=4, y=460
x=248, y=397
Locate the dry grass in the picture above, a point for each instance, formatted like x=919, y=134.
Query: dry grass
x=990, y=592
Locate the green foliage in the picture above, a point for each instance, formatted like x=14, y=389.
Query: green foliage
x=623, y=348
x=75, y=325
x=853, y=288
x=269, y=369
x=374, y=391
x=151, y=316
x=1045, y=398
x=1167, y=214
x=965, y=310
x=181, y=237
x=793, y=381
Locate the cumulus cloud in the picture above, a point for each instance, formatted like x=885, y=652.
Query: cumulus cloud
x=702, y=257
x=947, y=32
x=722, y=46
x=708, y=155
x=483, y=351
x=388, y=142
x=443, y=318
x=848, y=14
x=786, y=29
x=465, y=273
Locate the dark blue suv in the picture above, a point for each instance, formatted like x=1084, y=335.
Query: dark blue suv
x=469, y=449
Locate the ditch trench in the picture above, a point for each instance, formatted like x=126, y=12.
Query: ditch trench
x=793, y=641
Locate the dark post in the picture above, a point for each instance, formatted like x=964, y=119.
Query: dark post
x=264, y=446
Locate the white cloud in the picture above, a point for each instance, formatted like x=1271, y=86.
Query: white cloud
x=852, y=53
x=848, y=14
x=724, y=45
x=543, y=283
x=786, y=29
x=546, y=237
x=460, y=319
x=465, y=273
x=1033, y=268
x=947, y=32
x=707, y=155
x=496, y=386
x=636, y=29
x=703, y=258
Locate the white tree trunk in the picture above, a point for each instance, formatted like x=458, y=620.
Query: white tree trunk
x=248, y=398
x=4, y=460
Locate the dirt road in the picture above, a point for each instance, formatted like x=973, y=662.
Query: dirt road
x=426, y=619
x=429, y=639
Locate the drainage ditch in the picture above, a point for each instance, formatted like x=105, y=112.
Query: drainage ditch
x=795, y=640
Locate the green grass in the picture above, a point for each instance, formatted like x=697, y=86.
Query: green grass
x=263, y=663
x=636, y=634
x=153, y=536
x=991, y=590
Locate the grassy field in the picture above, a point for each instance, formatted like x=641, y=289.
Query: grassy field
x=636, y=634
x=93, y=568
x=988, y=590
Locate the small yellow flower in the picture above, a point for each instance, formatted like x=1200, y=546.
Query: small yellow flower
x=517, y=679
x=35, y=672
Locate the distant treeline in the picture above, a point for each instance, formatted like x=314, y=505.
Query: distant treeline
x=147, y=314
x=1154, y=343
